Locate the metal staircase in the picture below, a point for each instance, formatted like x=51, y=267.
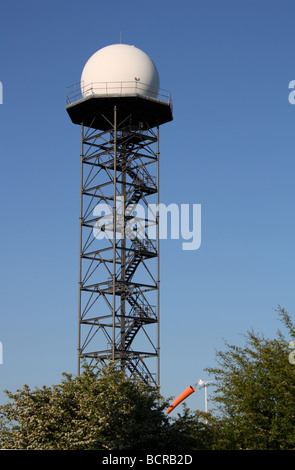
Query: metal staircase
x=139, y=250
x=141, y=313
x=119, y=280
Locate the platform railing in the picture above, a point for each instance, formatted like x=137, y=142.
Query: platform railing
x=79, y=90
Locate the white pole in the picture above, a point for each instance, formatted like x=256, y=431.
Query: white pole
x=205, y=385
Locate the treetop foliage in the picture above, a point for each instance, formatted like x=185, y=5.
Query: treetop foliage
x=102, y=409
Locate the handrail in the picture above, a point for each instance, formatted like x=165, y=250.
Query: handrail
x=78, y=90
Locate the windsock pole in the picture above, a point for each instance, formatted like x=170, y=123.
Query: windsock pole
x=188, y=391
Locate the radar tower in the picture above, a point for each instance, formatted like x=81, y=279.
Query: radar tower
x=120, y=107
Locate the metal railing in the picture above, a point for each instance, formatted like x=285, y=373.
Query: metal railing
x=78, y=90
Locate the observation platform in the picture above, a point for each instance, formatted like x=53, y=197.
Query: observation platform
x=96, y=109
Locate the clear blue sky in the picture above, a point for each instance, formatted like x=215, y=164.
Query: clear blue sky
x=230, y=148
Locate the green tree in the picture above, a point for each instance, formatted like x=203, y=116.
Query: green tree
x=101, y=409
x=255, y=392
x=193, y=430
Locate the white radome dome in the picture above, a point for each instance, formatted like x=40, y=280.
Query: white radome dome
x=122, y=70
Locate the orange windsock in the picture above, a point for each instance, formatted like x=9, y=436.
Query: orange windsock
x=188, y=391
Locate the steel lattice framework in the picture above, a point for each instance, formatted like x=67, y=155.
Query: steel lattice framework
x=119, y=244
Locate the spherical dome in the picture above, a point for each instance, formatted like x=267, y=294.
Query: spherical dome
x=122, y=70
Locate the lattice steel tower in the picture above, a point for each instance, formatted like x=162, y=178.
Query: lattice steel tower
x=119, y=106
